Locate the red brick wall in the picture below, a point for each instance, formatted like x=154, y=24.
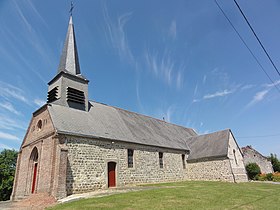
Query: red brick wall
x=42, y=138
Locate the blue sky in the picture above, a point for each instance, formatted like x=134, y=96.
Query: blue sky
x=181, y=61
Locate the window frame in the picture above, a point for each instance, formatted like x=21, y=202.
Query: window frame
x=160, y=158
x=130, y=158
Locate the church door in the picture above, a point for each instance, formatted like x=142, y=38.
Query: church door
x=34, y=178
x=111, y=174
x=33, y=168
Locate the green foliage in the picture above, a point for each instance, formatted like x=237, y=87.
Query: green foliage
x=275, y=162
x=253, y=171
x=8, y=160
x=269, y=177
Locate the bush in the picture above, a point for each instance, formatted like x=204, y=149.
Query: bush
x=276, y=177
x=269, y=177
x=253, y=171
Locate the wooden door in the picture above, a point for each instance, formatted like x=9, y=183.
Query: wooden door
x=111, y=174
x=34, y=178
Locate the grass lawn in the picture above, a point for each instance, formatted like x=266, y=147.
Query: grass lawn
x=189, y=195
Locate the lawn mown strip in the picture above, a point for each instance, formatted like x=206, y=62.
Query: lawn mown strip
x=188, y=195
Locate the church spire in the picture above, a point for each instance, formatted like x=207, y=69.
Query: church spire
x=69, y=60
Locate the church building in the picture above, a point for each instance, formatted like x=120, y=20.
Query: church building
x=75, y=145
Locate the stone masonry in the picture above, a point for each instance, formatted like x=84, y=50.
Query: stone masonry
x=88, y=158
x=253, y=156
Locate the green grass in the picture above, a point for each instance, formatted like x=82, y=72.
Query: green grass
x=188, y=195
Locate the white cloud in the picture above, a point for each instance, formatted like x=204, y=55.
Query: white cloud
x=8, y=106
x=246, y=87
x=259, y=96
x=39, y=102
x=117, y=35
x=10, y=91
x=218, y=94
x=4, y=146
x=272, y=84
x=8, y=136
x=204, y=79
x=173, y=30
x=11, y=124
x=165, y=68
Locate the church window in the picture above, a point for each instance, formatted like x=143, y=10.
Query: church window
x=160, y=155
x=184, y=161
x=130, y=158
x=39, y=125
x=235, y=157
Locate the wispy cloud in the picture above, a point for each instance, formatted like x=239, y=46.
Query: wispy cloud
x=272, y=84
x=259, y=96
x=39, y=102
x=7, y=136
x=246, y=87
x=165, y=68
x=218, y=94
x=8, y=91
x=11, y=124
x=4, y=146
x=38, y=16
x=8, y=106
x=116, y=34
x=204, y=79
x=173, y=30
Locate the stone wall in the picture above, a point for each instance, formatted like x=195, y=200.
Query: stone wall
x=236, y=161
x=88, y=159
x=252, y=156
x=210, y=170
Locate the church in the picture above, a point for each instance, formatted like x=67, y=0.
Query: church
x=75, y=145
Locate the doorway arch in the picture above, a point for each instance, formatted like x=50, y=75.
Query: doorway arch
x=112, y=174
x=34, y=168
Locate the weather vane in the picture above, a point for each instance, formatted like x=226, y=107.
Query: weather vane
x=71, y=9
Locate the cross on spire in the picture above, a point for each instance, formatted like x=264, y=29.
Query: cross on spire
x=71, y=9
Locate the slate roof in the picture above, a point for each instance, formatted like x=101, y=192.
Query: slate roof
x=103, y=121
x=209, y=145
x=69, y=60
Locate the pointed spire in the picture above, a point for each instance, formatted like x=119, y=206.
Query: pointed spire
x=69, y=60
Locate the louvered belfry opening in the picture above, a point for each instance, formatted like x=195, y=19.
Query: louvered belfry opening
x=74, y=95
x=53, y=95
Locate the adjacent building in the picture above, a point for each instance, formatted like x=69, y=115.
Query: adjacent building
x=253, y=156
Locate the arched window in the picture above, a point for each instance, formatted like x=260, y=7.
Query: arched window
x=34, y=155
x=39, y=125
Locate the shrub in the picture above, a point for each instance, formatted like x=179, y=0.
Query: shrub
x=253, y=170
x=269, y=177
x=276, y=177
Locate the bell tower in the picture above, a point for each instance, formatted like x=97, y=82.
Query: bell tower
x=69, y=88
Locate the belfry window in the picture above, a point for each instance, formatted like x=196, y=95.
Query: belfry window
x=130, y=158
x=52, y=95
x=160, y=155
x=75, y=95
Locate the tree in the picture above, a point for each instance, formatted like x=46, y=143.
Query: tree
x=8, y=159
x=275, y=162
x=253, y=170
